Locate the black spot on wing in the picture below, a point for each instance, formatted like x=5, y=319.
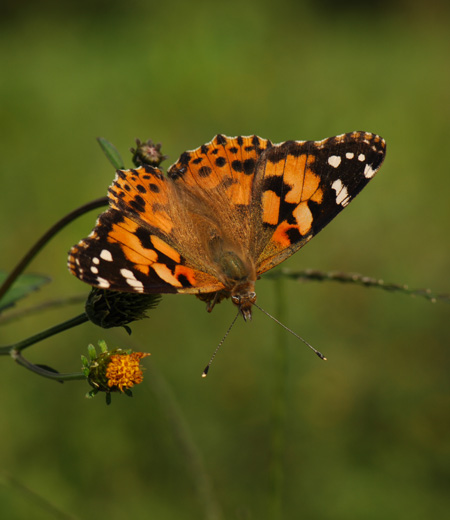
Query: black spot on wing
x=249, y=166
x=138, y=203
x=221, y=139
x=183, y=280
x=204, y=171
x=276, y=184
x=184, y=159
x=294, y=235
x=237, y=166
x=144, y=238
x=220, y=161
x=176, y=173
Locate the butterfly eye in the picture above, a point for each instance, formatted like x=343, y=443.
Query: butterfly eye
x=236, y=299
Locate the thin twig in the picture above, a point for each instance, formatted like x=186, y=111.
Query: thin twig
x=313, y=275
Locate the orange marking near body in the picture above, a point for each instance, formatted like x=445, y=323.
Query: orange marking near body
x=182, y=270
x=280, y=234
x=271, y=207
x=165, y=249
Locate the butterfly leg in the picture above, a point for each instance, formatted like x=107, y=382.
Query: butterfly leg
x=212, y=298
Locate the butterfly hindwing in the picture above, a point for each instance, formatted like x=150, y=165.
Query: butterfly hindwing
x=130, y=248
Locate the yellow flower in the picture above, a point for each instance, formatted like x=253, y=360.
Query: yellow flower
x=124, y=371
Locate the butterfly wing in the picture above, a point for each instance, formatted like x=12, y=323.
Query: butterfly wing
x=301, y=186
x=131, y=248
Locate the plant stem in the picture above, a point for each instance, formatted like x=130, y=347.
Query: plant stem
x=15, y=350
x=18, y=347
x=279, y=406
x=103, y=201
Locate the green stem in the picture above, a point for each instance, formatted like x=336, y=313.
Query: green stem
x=20, y=267
x=19, y=359
x=17, y=347
x=15, y=350
x=279, y=409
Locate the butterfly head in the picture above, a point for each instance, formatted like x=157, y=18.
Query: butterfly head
x=244, y=296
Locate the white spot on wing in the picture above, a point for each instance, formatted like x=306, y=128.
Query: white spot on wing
x=361, y=157
x=342, y=196
x=349, y=155
x=102, y=283
x=95, y=260
x=94, y=269
x=334, y=161
x=369, y=172
x=106, y=255
x=131, y=280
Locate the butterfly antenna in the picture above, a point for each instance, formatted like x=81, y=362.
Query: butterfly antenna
x=205, y=372
x=292, y=332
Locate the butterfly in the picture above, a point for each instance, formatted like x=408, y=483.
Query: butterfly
x=224, y=214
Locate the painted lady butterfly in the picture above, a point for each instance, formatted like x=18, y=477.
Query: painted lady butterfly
x=224, y=214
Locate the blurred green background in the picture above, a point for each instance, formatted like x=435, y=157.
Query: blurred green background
x=273, y=432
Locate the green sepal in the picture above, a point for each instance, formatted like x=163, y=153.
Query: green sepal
x=111, y=152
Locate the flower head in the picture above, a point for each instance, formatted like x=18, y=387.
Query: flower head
x=147, y=153
x=124, y=370
x=112, y=371
x=116, y=309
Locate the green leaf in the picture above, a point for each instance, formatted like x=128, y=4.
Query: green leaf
x=103, y=346
x=24, y=285
x=111, y=153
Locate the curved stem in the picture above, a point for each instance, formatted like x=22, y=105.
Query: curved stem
x=15, y=350
x=103, y=201
x=45, y=372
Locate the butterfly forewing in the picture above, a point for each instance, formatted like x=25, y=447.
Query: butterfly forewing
x=303, y=185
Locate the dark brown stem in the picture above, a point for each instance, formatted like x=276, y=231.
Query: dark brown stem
x=20, y=267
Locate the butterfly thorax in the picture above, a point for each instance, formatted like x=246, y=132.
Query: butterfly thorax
x=238, y=275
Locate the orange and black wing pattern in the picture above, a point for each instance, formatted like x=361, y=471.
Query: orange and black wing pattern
x=302, y=185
